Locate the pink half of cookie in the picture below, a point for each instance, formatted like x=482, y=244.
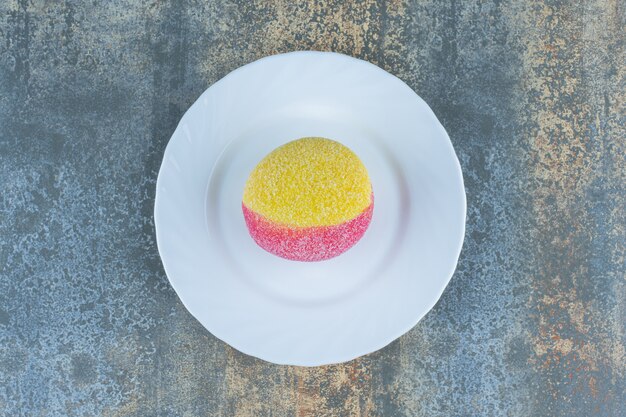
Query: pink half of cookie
x=307, y=243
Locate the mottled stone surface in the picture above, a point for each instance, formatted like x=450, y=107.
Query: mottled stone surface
x=532, y=94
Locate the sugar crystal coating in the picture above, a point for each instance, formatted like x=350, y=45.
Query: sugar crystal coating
x=310, y=199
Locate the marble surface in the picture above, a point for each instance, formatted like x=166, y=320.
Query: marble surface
x=532, y=94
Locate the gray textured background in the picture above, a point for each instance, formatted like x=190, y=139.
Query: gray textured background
x=532, y=94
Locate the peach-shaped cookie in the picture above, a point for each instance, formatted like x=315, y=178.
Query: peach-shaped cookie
x=308, y=200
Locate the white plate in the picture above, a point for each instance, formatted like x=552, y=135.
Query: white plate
x=305, y=313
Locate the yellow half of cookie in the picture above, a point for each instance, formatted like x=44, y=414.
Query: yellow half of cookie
x=309, y=182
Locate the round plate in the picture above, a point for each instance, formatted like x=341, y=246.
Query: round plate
x=309, y=313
